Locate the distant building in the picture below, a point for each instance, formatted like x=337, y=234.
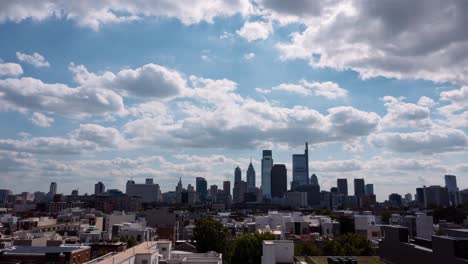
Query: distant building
x=300, y=170
x=99, y=188
x=277, y=251
x=148, y=191
x=369, y=188
x=395, y=199
x=237, y=174
x=251, y=178
x=314, y=180
x=435, y=196
x=451, y=185
x=408, y=197
x=267, y=164
x=279, y=180
x=4, y=194
x=201, y=186
x=53, y=189
x=313, y=194
x=359, y=190
x=227, y=187
x=342, y=185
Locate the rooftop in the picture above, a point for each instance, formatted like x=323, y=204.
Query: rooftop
x=41, y=250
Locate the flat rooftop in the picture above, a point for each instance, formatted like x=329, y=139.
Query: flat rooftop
x=41, y=250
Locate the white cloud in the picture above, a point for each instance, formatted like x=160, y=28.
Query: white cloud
x=426, y=101
x=401, y=114
x=11, y=69
x=365, y=37
x=94, y=14
x=32, y=94
x=249, y=56
x=36, y=59
x=329, y=90
x=257, y=30
x=148, y=81
x=428, y=142
x=41, y=120
x=456, y=111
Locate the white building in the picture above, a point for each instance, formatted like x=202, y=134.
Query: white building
x=424, y=226
x=278, y=251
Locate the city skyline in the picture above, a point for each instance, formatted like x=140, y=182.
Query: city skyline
x=122, y=93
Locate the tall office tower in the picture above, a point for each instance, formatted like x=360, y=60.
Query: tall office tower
x=4, y=194
x=251, y=178
x=314, y=180
x=267, y=164
x=201, y=186
x=451, y=183
x=408, y=197
x=227, y=187
x=369, y=189
x=300, y=164
x=436, y=196
x=359, y=191
x=279, y=180
x=53, y=188
x=99, y=188
x=213, y=192
x=237, y=174
x=342, y=185
x=420, y=197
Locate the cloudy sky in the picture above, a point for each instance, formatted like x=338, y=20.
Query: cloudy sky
x=111, y=90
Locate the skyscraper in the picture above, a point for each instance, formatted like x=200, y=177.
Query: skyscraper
x=279, y=180
x=359, y=190
x=201, y=187
x=369, y=189
x=227, y=187
x=267, y=164
x=451, y=183
x=99, y=188
x=237, y=175
x=300, y=163
x=53, y=189
x=342, y=185
x=148, y=192
x=314, y=180
x=251, y=178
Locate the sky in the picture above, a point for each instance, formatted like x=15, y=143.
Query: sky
x=116, y=90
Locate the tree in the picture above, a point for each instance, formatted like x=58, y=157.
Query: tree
x=386, y=217
x=450, y=214
x=209, y=235
x=304, y=248
x=348, y=245
x=248, y=248
x=129, y=240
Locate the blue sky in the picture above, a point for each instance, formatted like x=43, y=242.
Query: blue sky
x=111, y=91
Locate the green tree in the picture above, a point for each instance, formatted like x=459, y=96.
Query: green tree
x=210, y=235
x=449, y=214
x=386, y=217
x=348, y=245
x=304, y=248
x=248, y=248
x=130, y=241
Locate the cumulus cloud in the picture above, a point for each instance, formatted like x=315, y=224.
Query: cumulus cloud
x=365, y=37
x=456, y=111
x=107, y=137
x=329, y=90
x=257, y=30
x=41, y=120
x=32, y=94
x=10, y=69
x=402, y=114
x=36, y=59
x=94, y=14
x=427, y=142
x=148, y=81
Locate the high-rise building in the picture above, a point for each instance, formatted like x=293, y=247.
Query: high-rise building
x=359, y=190
x=300, y=163
x=267, y=164
x=451, y=183
x=279, y=180
x=4, y=194
x=227, y=187
x=314, y=180
x=99, y=188
x=313, y=194
x=420, y=197
x=369, y=189
x=239, y=191
x=213, y=192
x=395, y=199
x=251, y=178
x=201, y=186
x=53, y=189
x=435, y=196
x=237, y=174
x=408, y=197
x=342, y=185
x=148, y=192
